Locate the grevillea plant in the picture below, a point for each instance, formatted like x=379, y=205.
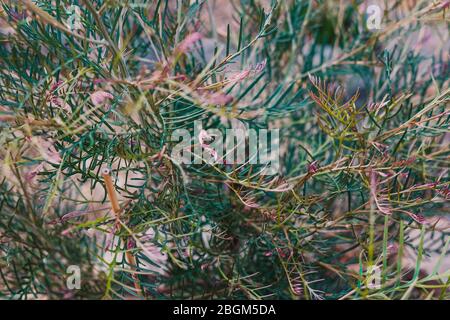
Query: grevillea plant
x=95, y=204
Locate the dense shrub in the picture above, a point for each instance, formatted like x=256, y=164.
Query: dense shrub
x=93, y=94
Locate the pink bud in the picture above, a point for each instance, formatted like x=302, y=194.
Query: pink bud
x=202, y=136
x=260, y=66
x=131, y=244
x=313, y=167
x=56, y=85
x=419, y=218
x=297, y=289
x=100, y=97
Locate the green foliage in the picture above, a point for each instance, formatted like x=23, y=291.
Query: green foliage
x=363, y=118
